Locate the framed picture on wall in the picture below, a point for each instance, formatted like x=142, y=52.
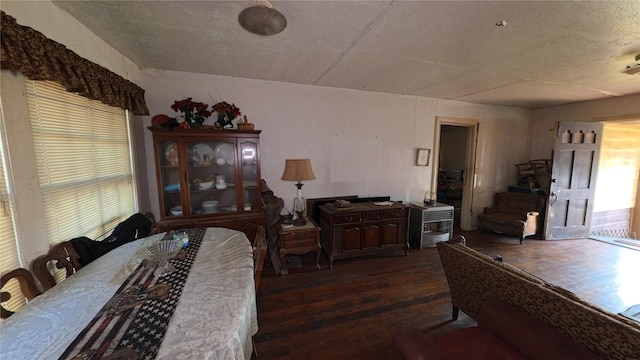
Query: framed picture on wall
x=422, y=158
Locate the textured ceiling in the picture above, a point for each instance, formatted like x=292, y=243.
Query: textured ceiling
x=548, y=53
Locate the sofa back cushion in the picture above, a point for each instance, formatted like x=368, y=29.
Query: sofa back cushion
x=474, y=278
x=529, y=336
x=519, y=203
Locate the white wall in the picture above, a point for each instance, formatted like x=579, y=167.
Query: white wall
x=359, y=142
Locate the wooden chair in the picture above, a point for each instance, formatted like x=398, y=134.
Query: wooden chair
x=62, y=255
x=259, y=255
x=154, y=226
x=27, y=286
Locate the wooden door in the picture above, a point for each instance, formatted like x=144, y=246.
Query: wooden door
x=576, y=154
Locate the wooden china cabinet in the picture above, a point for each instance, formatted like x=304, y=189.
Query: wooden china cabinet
x=208, y=177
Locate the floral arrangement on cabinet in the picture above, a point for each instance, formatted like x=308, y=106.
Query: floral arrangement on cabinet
x=226, y=113
x=194, y=112
x=193, y=115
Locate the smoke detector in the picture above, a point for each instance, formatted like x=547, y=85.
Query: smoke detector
x=633, y=68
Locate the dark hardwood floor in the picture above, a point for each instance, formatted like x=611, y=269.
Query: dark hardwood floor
x=346, y=312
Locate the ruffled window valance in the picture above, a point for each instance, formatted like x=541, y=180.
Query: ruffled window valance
x=39, y=58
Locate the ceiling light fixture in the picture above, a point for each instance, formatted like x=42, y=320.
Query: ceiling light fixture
x=633, y=68
x=261, y=18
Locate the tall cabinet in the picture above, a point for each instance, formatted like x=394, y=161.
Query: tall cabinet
x=208, y=177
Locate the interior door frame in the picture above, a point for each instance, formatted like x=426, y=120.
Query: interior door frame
x=466, y=209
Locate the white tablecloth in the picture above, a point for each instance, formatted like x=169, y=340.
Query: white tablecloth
x=215, y=317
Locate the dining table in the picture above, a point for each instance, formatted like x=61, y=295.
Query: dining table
x=205, y=309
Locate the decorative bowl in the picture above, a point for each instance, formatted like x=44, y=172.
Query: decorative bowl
x=209, y=206
x=160, y=253
x=176, y=211
x=205, y=185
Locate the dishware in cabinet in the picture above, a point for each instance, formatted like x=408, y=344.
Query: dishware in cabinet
x=208, y=177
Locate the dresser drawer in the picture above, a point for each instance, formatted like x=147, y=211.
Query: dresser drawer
x=348, y=218
x=371, y=215
x=394, y=213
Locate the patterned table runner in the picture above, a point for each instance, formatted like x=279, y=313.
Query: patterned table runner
x=133, y=322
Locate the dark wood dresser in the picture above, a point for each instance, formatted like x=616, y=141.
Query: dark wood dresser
x=363, y=229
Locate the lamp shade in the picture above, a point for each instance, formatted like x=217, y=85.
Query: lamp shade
x=298, y=170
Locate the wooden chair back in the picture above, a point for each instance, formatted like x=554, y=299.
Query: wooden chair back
x=259, y=254
x=62, y=256
x=27, y=287
x=154, y=226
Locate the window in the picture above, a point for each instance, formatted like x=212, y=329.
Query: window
x=9, y=259
x=84, y=160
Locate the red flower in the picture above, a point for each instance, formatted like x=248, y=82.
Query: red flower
x=224, y=108
x=194, y=112
x=226, y=113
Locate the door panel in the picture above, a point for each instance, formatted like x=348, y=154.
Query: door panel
x=575, y=160
x=390, y=233
x=371, y=237
x=351, y=238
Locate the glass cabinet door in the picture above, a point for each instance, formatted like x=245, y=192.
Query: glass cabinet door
x=211, y=176
x=170, y=178
x=249, y=169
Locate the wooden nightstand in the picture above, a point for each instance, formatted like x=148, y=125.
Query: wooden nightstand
x=298, y=240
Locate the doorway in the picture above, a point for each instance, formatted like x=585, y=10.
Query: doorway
x=616, y=211
x=454, y=163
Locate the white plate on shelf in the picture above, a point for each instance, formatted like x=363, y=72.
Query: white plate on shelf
x=171, y=154
x=225, y=151
x=203, y=149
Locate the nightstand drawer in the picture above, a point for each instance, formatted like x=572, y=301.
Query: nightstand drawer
x=291, y=244
x=298, y=235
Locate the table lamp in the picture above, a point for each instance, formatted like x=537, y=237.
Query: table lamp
x=298, y=170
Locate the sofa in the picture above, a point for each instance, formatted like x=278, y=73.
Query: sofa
x=518, y=315
x=513, y=213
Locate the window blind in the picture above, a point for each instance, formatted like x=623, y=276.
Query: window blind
x=9, y=259
x=84, y=160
